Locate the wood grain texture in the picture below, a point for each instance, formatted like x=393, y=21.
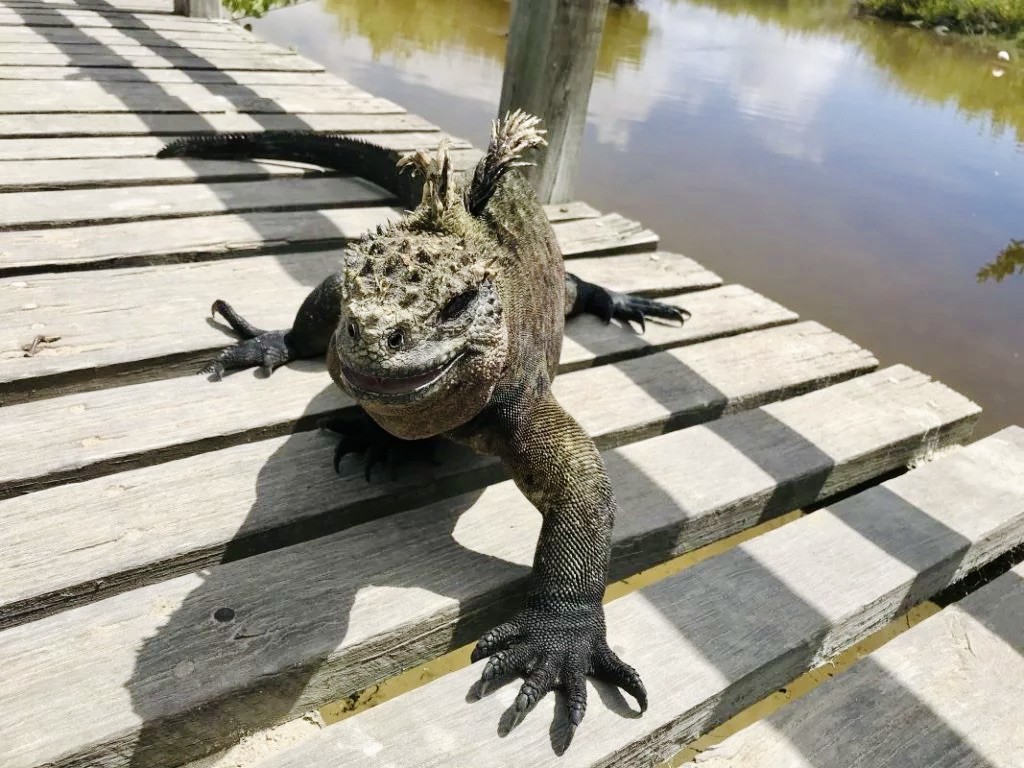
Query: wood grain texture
x=337, y=621
x=258, y=231
x=717, y=637
x=213, y=37
x=74, y=42
x=164, y=58
x=198, y=99
x=945, y=694
x=133, y=529
x=130, y=320
x=82, y=435
x=135, y=6
x=61, y=208
x=226, y=75
x=85, y=173
x=127, y=148
x=168, y=124
x=84, y=19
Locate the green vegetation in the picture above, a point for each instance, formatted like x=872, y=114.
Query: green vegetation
x=979, y=17
x=1009, y=261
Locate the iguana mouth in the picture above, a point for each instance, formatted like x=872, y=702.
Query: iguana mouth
x=396, y=386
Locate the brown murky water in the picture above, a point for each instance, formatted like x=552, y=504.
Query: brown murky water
x=859, y=173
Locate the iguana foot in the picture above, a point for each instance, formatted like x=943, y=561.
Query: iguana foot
x=605, y=304
x=555, y=648
x=258, y=348
x=359, y=433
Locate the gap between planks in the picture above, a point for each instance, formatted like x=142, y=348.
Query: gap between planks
x=332, y=504
x=86, y=435
x=91, y=327
x=835, y=575
x=276, y=657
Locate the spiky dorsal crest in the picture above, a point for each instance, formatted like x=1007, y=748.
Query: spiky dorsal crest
x=436, y=171
x=511, y=136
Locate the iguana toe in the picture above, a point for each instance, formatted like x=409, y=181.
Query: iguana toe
x=359, y=433
x=257, y=349
x=555, y=647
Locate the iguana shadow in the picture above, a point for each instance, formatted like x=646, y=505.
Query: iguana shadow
x=253, y=643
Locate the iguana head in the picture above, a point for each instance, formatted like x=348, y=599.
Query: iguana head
x=422, y=338
x=421, y=341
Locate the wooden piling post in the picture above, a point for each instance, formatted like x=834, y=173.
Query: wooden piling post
x=549, y=68
x=200, y=9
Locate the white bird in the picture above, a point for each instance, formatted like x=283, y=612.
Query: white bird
x=1003, y=55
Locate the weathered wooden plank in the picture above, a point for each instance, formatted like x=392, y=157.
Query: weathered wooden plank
x=134, y=528
x=198, y=99
x=68, y=40
x=45, y=442
x=144, y=75
x=33, y=175
x=164, y=58
x=84, y=173
x=167, y=124
x=571, y=211
x=629, y=235
x=56, y=208
x=944, y=694
x=84, y=95
x=86, y=18
x=14, y=40
x=136, y=6
x=154, y=242
x=201, y=38
x=124, y=147
x=396, y=607
x=726, y=632
x=122, y=326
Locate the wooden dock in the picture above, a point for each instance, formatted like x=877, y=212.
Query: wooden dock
x=182, y=567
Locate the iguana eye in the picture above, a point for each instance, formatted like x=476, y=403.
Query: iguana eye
x=459, y=304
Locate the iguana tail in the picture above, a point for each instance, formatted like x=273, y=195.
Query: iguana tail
x=335, y=151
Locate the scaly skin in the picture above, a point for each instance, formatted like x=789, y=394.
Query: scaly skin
x=449, y=322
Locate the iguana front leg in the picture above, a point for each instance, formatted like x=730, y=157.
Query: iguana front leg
x=559, y=637
x=308, y=337
x=582, y=297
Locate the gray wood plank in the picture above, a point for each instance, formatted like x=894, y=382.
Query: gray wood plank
x=85, y=173
x=34, y=175
x=167, y=124
x=157, y=241
x=83, y=95
x=74, y=42
x=124, y=148
x=714, y=638
x=73, y=35
x=46, y=442
x=98, y=337
x=945, y=694
x=216, y=236
x=87, y=18
x=136, y=6
x=57, y=208
x=184, y=98
x=164, y=58
x=225, y=75
x=276, y=657
x=133, y=529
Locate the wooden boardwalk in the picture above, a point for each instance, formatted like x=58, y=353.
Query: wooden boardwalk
x=182, y=567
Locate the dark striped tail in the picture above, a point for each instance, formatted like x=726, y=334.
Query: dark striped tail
x=334, y=151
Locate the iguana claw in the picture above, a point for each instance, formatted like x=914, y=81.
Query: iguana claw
x=257, y=349
x=555, y=648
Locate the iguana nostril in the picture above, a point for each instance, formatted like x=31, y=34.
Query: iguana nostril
x=353, y=331
x=396, y=339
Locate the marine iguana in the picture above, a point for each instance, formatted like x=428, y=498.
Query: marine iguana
x=449, y=322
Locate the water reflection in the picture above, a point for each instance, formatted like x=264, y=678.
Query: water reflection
x=856, y=171
x=1009, y=261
